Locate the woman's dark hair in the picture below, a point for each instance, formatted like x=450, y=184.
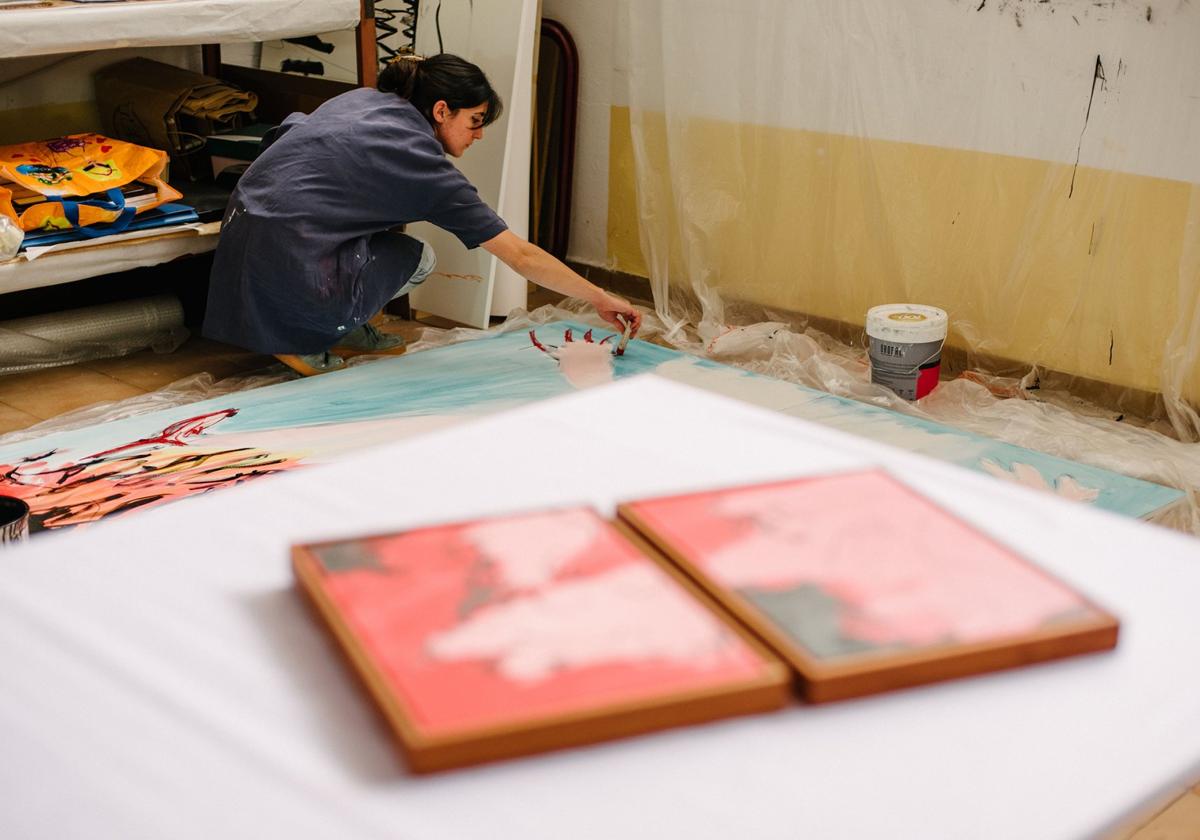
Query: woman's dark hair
x=425, y=81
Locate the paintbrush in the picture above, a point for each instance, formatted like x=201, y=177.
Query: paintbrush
x=627, y=327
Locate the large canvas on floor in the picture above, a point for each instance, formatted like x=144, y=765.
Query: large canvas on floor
x=79, y=476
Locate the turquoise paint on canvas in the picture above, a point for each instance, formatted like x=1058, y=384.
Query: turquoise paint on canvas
x=72, y=477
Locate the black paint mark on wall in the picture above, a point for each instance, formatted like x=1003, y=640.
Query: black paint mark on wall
x=1111, y=341
x=1097, y=76
x=1099, y=11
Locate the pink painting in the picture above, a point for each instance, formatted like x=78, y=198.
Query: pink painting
x=858, y=563
x=499, y=621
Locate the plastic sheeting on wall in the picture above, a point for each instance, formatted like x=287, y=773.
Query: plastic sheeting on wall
x=1029, y=167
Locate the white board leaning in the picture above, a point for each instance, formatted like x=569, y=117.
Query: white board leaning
x=471, y=286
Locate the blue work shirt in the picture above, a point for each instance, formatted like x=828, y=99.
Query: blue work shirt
x=294, y=269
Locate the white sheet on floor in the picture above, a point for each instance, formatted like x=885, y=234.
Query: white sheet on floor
x=161, y=676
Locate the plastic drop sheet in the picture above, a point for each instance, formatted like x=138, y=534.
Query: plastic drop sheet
x=790, y=351
x=1028, y=167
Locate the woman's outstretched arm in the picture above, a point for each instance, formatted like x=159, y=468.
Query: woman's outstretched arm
x=534, y=264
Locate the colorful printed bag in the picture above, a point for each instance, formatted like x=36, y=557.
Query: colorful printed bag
x=87, y=179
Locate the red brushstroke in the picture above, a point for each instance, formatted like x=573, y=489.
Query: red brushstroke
x=174, y=434
x=165, y=467
x=568, y=336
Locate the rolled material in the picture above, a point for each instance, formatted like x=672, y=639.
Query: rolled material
x=93, y=332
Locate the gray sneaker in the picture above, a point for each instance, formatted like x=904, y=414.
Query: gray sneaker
x=310, y=364
x=368, y=341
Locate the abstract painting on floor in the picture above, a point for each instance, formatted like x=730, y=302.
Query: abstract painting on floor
x=507, y=636
x=864, y=585
x=79, y=476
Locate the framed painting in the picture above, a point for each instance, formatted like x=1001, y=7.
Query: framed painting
x=863, y=585
x=508, y=636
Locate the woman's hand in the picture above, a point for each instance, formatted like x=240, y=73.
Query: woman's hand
x=532, y=263
x=613, y=309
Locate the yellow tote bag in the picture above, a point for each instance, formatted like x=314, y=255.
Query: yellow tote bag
x=84, y=178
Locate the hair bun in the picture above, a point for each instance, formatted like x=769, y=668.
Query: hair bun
x=400, y=74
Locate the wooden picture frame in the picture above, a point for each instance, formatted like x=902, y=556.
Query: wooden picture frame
x=479, y=648
x=810, y=633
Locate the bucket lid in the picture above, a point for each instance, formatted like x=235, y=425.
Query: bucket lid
x=913, y=323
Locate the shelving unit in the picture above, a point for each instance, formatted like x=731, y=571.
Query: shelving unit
x=59, y=27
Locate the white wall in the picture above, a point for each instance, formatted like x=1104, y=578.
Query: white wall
x=592, y=25
x=1006, y=77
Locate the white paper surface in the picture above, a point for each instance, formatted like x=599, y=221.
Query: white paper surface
x=163, y=675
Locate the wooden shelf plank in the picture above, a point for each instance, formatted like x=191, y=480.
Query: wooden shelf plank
x=105, y=257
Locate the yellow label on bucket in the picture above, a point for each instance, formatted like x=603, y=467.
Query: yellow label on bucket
x=906, y=316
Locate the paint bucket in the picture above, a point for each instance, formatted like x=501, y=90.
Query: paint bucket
x=905, y=343
x=14, y=520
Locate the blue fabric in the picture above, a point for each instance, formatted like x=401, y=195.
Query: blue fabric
x=300, y=261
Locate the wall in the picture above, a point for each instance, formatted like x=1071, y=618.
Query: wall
x=1029, y=165
x=593, y=26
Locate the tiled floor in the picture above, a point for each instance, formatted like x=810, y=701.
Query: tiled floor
x=28, y=398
